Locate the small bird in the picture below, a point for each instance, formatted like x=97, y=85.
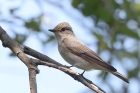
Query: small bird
x=78, y=54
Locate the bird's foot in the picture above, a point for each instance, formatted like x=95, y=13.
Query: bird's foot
x=82, y=74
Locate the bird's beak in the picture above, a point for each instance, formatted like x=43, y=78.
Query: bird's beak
x=52, y=30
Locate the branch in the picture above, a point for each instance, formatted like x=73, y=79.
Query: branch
x=46, y=61
x=32, y=79
x=73, y=74
x=17, y=49
x=32, y=64
x=40, y=56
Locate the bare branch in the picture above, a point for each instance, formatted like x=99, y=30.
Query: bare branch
x=32, y=79
x=38, y=55
x=73, y=74
x=32, y=64
x=17, y=49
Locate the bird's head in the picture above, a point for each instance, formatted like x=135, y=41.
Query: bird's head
x=62, y=30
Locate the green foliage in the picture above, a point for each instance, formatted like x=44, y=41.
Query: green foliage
x=123, y=29
x=100, y=8
x=20, y=38
x=51, y=38
x=116, y=16
x=32, y=24
x=106, y=11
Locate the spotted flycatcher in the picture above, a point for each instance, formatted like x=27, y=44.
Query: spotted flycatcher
x=78, y=54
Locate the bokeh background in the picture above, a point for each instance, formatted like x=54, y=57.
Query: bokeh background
x=109, y=27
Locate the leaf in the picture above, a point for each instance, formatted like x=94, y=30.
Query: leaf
x=123, y=53
x=13, y=9
x=134, y=72
x=102, y=43
x=122, y=29
x=51, y=38
x=32, y=24
x=75, y=3
x=20, y=38
x=12, y=54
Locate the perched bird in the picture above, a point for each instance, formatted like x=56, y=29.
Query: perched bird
x=78, y=54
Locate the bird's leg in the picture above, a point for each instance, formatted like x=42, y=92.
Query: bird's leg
x=83, y=73
x=80, y=74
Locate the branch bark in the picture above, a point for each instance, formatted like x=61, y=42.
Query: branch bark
x=32, y=79
x=17, y=49
x=32, y=64
x=73, y=74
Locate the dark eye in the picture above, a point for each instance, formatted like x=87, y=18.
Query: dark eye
x=63, y=29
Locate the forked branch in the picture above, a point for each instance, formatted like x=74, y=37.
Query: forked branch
x=42, y=59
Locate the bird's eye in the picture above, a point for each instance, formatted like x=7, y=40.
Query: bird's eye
x=63, y=29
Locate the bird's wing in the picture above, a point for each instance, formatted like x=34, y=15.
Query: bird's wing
x=78, y=48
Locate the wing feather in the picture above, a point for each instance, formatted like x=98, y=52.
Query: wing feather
x=78, y=48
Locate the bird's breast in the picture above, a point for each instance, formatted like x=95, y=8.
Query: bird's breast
x=73, y=59
x=66, y=54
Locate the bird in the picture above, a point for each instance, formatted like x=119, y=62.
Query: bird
x=78, y=54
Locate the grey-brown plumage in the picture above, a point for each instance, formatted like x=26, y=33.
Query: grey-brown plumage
x=78, y=54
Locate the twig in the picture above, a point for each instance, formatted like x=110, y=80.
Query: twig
x=73, y=74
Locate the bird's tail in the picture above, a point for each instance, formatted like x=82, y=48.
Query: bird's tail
x=120, y=76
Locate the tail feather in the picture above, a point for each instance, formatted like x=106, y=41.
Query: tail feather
x=120, y=76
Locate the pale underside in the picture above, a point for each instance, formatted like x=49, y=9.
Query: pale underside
x=79, y=55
